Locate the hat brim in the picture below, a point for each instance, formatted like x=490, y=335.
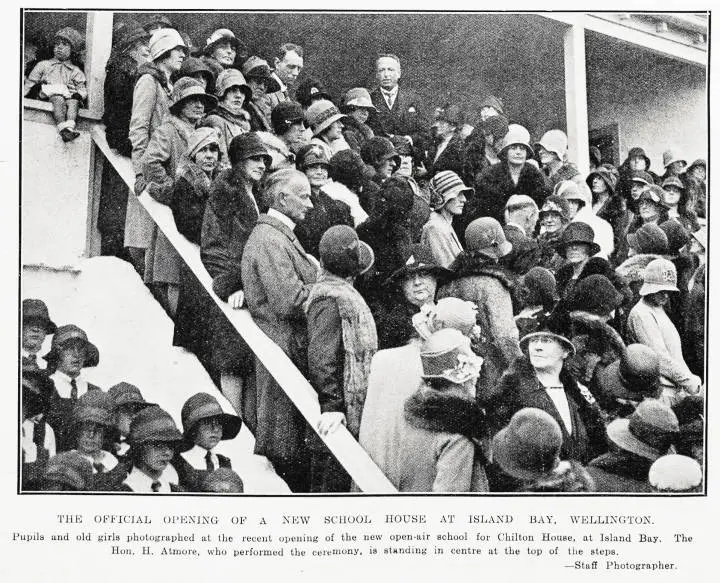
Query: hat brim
x=209, y=101
x=327, y=123
x=652, y=288
x=610, y=382
x=618, y=431
x=356, y=105
x=676, y=160
x=561, y=245
x=547, y=148
x=503, y=152
x=47, y=323
x=223, y=39
x=92, y=357
x=271, y=84
x=501, y=455
x=367, y=257
x=440, y=273
x=455, y=191
x=542, y=333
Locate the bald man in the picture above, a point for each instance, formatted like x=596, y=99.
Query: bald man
x=277, y=274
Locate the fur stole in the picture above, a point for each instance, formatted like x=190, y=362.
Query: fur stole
x=469, y=263
x=631, y=270
x=445, y=411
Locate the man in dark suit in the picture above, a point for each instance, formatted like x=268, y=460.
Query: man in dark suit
x=521, y=216
x=397, y=109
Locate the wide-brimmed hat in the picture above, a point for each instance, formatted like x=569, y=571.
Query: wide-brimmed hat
x=188, y=88
x=529, y=447
x=311, y=155
x=638, y=152
x=675, y=473
x=555, y=204
x=348, y=168
x=193, y=66
x=204, y=406
x=321, y=115
x=377, y=150
x=659, y=275
x=642, y=177
x=577, y=232
x=229, y=78
x=357, y=97
x=541, y=284
x=71, y=469
x=164, y=40
x=127, y=33
x=607, y=177
x=548, y=330
x=285, y=114
x=448, y=185
x=654, y=194
x=670, y=158
x=93, y=407
x=71, y=333
x=677, y=235
x=486, y=235
x=491, y=101
x=516, y=135
x=555, y=141
x=648, y=432
x=633, y=376
x=37, y=389
x=221, y=35
x=72, y=36
x=594, y=294
x=343, y=253
x=256, y=68
x=127, y=394
x=247, y=146
x=673, y=181
x=200, y=138
x=153, y=424
x=36, y=310
x=444, y=356
x=698, y=162
x=649, y=238
x=571, y=190
x=419, y=261
x=311, y=89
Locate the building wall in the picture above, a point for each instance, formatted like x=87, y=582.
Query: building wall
x=657, y=102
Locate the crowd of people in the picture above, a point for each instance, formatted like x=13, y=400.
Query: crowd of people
x=475, y=311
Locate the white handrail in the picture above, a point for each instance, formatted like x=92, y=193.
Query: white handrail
x=366, y=475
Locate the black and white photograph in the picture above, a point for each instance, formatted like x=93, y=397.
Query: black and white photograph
x=365, y=253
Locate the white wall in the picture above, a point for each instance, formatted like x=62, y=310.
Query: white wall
x=659, y=103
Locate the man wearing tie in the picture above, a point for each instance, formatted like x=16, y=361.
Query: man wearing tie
x=397, y=108
x=36, y=326
x=70, y=352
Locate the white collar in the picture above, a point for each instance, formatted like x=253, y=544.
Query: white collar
x=139, y=481
x=284, y=219
x=108, y=460
x=196, y=457
x=392, y=93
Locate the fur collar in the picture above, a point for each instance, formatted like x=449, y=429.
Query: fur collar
x=632, y=268
x=228, y=198
x=594, y=266
x=446, y=411
x=154, y=71
x=468, y=263
x=352, y=124
x=623, y=463
x=613, y=208
x=607, y=337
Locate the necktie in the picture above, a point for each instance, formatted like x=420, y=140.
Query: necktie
x=209, y=462
x=73, y=390
x=390, y=99
x=155, y=486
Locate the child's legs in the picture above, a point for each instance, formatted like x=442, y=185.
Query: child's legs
x=73, y=106
x=59, y=108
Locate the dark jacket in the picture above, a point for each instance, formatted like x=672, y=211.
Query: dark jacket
x=525, y=252
x=451, y=158
x=694, y=337
x=620, y=471
x=326, y=213
x=519, y=388
x=356, y=133
x=615, y=212
x=120, y=74
x=403, y=120
x=59, y=417
x=495, y=187
x=394, y=320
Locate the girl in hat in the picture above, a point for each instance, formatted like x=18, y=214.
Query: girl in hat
x=231, y=117
x=651, y=208
x=160, y=161
x=127, y=401
x=675, y=200
x=61, y=82
x=91, y=429
x=552, y=154
x=694, y=179
x=357, y=106
x=36, y=326
x=37, y=437
x=448, y=152
x=608, y=205
x=154, y=440
x=205, y=425
x=150, y=107
x=536, y=300
x=637, y=161
x=326, y=123
x=674, y=166
x=577, y=246
x=259, y=78
x=443, y=431
x=222, y=50
x=70, y=352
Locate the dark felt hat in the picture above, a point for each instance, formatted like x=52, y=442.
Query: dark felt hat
x=607, y=177
x=648, y=432
x=450, y=113
x=37, y=389
x=348, y=168
x=127, y=33
x=188, y=88
x=556, y=204
x=126, y=394
x=71, y=333
x=577, y=232
x=192, y=66
x=204, y=406
x=311, y=89
x=377, y=150
x=594, y=294
x=420, y=260
x=221, y=481
x=311, y=155
x=247, y=146
x=36, y=310
x=634, y=376
x=485, y=234
x=649, y=238
x=153, y=424
x=677, y=235
x=286, y=114
x=638, y=152
x=256, y=68
x=491, y=101
x=94, y=407
x=342, y=252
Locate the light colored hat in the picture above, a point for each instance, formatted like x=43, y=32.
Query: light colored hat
x=518, y=201
x=231, y=78
x=548, y=334
x=648, y=432
x=200, y=138
x=448, y=185
x=571, y=190
x=485, y=234
x=659, y=275
x=219, y=36
x=517, y=135
x=455, y=313
x=675, y=473
x=555, y=141
x=321, y=115
x=670, y=158
x=164, y=40
x=443, y=357
x=358, y=97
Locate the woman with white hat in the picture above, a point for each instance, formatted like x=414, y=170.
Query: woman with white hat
x=222, y=49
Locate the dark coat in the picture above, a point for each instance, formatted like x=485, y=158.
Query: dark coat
x=694, y=337
x=120, y=74
x=451, y=158
x=615, y=212
x=59, y=417
x=490, y=287
x=276, y=276
x=525, y=252
x=326, y=213
x=356, y=133
x=519, y=388
x=394, y=321
x=404, y=119
x=229, y=218
x=496, y=186
x=620, y=471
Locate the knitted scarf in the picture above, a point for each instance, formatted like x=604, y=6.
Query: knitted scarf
x=359, y=342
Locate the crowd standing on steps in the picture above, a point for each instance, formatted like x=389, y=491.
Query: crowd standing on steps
x=479, y=314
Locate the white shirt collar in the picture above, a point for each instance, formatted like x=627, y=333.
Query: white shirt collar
x=139, y=481
x=392, y=93
x=62, y=384
x=283, y=87
x=196, y=458
x=108, y=460
x=284, y=219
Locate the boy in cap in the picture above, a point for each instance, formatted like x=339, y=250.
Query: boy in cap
x=70, y=352
x=342, y=340
x=62, y=83
x=154, y=439
x=649, y=324
x=37, y=437
x=205, y=424
x=36, y=326
x=127, y=401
